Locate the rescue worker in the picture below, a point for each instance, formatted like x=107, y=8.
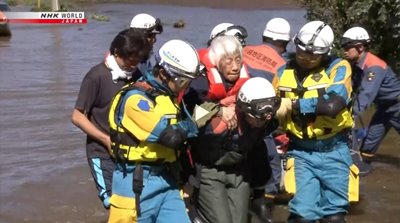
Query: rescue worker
x=315, y=92
x=148, y=131
x=97, y=89
x=151, y=27
x=256, y=110
x=266, y=61
x=374, y=83
x=215, y=150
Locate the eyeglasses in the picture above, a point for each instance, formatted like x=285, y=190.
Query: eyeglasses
x=181, y=81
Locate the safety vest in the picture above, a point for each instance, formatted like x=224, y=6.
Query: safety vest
x=311, y=126
x=204, y=59
x=217, y=90
x=124, y=139
x=263, y=57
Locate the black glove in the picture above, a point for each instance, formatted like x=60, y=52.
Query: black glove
x=174, y=138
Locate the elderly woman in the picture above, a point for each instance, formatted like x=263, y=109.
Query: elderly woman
x=224, y=146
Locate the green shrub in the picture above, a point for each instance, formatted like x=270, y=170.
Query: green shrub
x=381, y=18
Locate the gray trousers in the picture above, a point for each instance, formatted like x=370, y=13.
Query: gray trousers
x=223, y=196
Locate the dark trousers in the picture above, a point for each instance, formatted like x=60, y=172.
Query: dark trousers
x=223, y=195
x=379, y=126
x=102, y=171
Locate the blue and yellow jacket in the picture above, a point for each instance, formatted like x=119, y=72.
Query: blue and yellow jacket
x=322, y=100
x=139, y=114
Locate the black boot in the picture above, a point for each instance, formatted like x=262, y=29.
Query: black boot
x=261, y=207
x=298, y=219
x=364, y=167
x=336, y=218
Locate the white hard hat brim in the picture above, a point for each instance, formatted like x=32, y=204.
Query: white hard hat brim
x=276, y=36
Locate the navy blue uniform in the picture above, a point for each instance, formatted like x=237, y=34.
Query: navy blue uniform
x=375, y=82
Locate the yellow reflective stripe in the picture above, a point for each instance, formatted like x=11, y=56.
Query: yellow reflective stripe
x=354, y=184
x=290, y=177
x=285, y=89
x=319, y=86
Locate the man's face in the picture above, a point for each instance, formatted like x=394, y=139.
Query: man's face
x=307, y=60
x=230, y=66
x=127, y=64
x=176, y=83
x=351, y=52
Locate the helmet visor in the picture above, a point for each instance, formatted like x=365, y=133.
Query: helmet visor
x=347, y=43
x=260, y=108
x=181, y=81
x=157, y=28
x=240, y=33
x=310, y=48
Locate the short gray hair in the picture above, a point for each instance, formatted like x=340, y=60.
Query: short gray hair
x=223, y=46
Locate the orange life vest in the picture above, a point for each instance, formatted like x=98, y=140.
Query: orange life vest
x=217, y=90
x=263, y=57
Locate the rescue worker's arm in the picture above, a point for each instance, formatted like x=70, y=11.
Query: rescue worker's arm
x=146, y=122
x=80, y=120
x=370, y=85
x=337, y=96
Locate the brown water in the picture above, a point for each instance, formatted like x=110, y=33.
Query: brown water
x=43, y=171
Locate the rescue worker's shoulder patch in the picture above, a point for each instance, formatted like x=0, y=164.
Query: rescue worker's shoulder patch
x=143, y=105
x=370, y=76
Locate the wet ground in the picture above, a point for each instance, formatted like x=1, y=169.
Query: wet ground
x=43, y=171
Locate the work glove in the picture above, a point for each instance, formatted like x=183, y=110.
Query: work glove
x=173, y=137
x=284, y=109
x=204, y=112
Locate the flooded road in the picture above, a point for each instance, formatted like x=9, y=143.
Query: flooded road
x=43, y=171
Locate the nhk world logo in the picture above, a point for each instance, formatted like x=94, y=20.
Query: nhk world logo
x=46, y=17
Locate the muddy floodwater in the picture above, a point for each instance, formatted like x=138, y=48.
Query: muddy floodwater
x=44, y=176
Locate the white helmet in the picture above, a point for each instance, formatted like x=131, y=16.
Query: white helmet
x=277, y=29
x=257, y=97
x=229, y=29
x=179, y=58
x=315, y=37
x=355, y=35
x=147, y=22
